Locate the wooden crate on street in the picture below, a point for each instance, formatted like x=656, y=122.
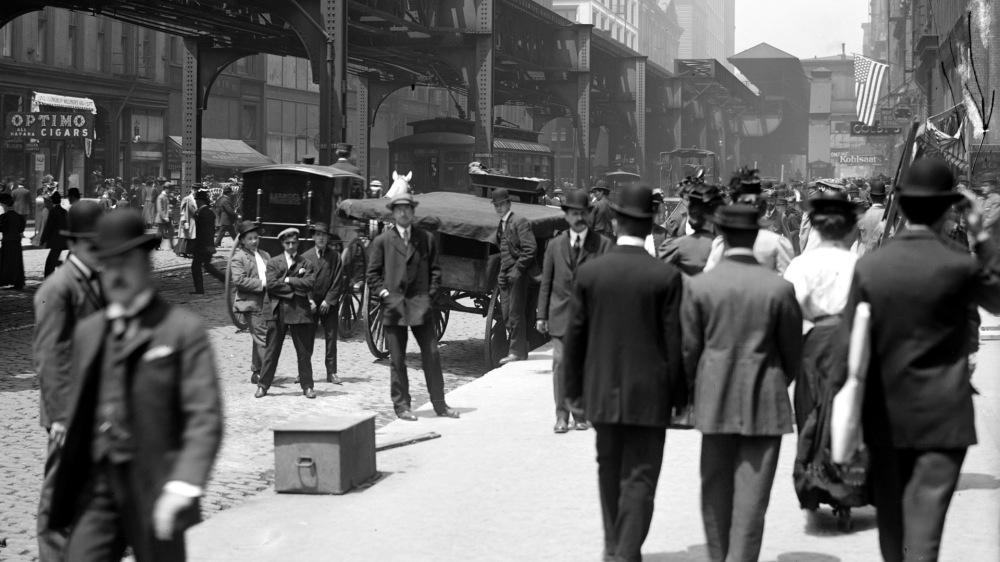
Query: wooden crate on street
x=324, y=454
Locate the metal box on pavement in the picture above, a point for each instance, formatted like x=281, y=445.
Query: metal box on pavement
x=324, y=454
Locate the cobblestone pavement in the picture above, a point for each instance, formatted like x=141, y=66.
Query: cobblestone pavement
x=245, y=464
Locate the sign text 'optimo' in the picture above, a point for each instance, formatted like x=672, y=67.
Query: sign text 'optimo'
x=58, y=126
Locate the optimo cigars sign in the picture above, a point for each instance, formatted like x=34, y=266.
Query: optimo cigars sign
x=49, y=126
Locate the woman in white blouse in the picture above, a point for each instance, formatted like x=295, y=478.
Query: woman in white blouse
x=822, y=278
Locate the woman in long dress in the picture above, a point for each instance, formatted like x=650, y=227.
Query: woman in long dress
x=42, y=205
x=148, y=204
x=186, y=232
x=822, y=279
x=11, y=256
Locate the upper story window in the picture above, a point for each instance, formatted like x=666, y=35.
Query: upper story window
x=41, y=37
x=6, y=40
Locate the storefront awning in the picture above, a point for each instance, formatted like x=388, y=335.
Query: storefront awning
x=55, y=100
x=226, y=153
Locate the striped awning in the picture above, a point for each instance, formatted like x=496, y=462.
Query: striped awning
x=523, y=146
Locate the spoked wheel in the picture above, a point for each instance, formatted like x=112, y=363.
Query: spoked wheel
x=495, y=342
x=355, y=266
x=238, y=318
x=844, y=523
x=374, y=335
x=441, y=315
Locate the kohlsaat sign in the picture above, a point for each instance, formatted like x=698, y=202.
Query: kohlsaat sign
x=49, y=126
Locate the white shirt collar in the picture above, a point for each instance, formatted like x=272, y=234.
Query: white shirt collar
x=289, y=259
x=506, y=216
x=573, y=235
x=625, y=240
x=117, y=310
x=403, y=231
x=738, y=252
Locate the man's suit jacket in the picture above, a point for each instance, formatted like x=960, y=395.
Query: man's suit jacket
x=742, y=348
x=920, y=294
x=521, y=247
x=55, y=222
x=558, y=273
x=411, y=274
x=292, y=297
x=64, y=299
x=622, y=349
x=329, y=276
x=22, y=200
x=601, y=215
x=226, y=212
x=204, y=221
x=688, y=252
x=250, y=292
x=163, y=207
x=174, y=406
x=773, y=251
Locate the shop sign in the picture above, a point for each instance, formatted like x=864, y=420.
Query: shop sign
x=986, y=159
x=39, y=162
x=856, y=159
x=48, y=126
x=859, y=129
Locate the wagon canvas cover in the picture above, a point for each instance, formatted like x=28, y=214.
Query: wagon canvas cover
x=459, y=214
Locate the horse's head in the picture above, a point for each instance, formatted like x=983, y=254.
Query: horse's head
x=400, y=184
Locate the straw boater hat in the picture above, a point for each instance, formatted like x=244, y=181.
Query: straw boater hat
x=288, y=232
x=401, y=199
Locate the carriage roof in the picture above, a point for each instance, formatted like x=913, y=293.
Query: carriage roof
x=459, y=214
x=325, y=171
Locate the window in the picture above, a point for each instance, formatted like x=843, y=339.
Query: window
x=146, y=51
x=562, y=135
x=6, y=43
x=555, y=136
x=71, y=50
x=101, y=43
x=42, y=37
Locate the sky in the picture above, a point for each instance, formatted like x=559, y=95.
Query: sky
x=803, y=28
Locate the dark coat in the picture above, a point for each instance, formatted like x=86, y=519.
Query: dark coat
x=520, y=247
x=689, y=252
x=64, y=299
x=920, y=294
x=22, y=200
x=742, y=348
x=250, y=292
x=622, y=349
x=558, y=273
x=601, y=215
x=329, y=276
x=174, y=406
x=411, y=274
x=55, y=222
x=227, y=215
x=293, y=296
x=204, y=233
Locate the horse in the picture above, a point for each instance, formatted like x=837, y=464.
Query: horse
x=400, y=184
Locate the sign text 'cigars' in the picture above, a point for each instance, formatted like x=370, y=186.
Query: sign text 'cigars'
x=49, y=126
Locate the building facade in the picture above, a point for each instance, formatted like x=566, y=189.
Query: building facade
x=709, y=29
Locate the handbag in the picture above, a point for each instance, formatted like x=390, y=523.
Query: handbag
x=845, y=414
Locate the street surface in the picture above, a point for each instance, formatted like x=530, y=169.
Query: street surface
x=245, y=467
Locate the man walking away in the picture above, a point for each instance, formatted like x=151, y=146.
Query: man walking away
x=227, y=215
x=517, y=264
x=742, y=348
x=563, y=257
x=164, y=226
x=325, y=296
x=871, y=226
x=623, y=359
x=52, y=237
x=203, y=247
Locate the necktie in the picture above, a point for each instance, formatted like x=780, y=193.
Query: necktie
x=576, y=250
x=406, y=237
x=500, y=230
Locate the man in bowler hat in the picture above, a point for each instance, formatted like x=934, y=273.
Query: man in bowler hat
x=690, y=252
x=403, y=271
x=145, y=418
x=623, y=360
x=601, y=214
x=563, y=257
x=52, y=236
x=917, y=418
x=742, y=348
x=249, y=276
x=69, y=295
x=227, y=215
x=325, y=296
x=517, y=264
x=290, y=281
x=203, y=246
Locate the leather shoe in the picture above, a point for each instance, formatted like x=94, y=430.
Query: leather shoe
x=261, y=392
x=561, y=426
x=511, y=358
x=582, y=426
x=309, y=393
x=334, y=379
x=254, y=377
x=406, y=415
x=448, y=413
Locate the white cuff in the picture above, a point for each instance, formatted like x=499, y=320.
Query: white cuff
x=182, y=489
x=383, y=293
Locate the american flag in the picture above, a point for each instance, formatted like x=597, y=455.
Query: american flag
x=867, y=83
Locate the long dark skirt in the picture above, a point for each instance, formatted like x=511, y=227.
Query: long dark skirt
x=818, y=362
x=11, y=264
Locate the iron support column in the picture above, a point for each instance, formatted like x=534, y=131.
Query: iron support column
x=333, y=81
x=583, y=107
x=365, y=122
x=481, y=88
x=191, y=120
x=640, y=116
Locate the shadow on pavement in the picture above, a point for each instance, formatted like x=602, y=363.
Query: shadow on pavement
x=697, y=553
x=431, y=414
x=806, y=557
x=973, y=481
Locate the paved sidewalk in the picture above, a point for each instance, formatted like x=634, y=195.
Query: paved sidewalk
x=499, y=485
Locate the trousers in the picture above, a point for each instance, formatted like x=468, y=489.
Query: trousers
x=737, y=473
x=330, y=324
x=559, y=380
x=629, y=458
x=258, y=330
x=430, y=362
x=222, y=231
x=51, y=543
x=513, y=295
x=202, y=260
x=303, y=337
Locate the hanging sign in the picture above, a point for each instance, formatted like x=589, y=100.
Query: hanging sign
x=48, y=126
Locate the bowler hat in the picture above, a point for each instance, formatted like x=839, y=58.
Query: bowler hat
x=930, y=179
x=878, y=188
x=343, y=147
x=73, y=192
x=121, y=231
x=576, y=199
x=401, y=199
x=737, y=217
x=635, y=200
x=287, y=232
x=6, y=199
x=201, y=194
x=601, y=184
x=81, y=220
x=500, y=195
x=320, y=227
x=247, y=227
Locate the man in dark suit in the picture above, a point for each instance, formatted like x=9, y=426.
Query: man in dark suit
x=249, y=277
x=204, y=246
x=325, y=296
x=563, y=257
x=517, y=265
x=623, y=358
x=403, y=271
x=918, y=419
x=66, y=297
x=689, y=252
x=227, y=215
x=601, y=214
x=52, y=236
x=145, y=420
x=290, y=281
x=22, y=200
x=742, y=348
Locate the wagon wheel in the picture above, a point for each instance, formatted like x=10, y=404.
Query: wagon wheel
x=374, y=335
x=355, y=266
x=496, y=343
x=441, y=321
x=238, y=318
